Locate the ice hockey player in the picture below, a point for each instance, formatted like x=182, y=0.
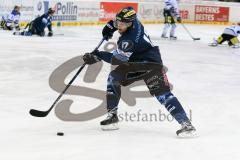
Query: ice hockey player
x=11, y=21
x=38, y=25
x=136, y=59
x=170, y=12
x=230, y=35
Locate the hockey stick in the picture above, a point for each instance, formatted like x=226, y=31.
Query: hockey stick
x=37, y=113
x=27, y=26
x=195, y=39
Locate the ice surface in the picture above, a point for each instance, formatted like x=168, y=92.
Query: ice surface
x=206, y=80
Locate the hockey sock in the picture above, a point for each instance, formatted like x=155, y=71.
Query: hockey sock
x=219, y=40
x=234, y=41
x=165, y=29
x=113, y=91
x=172, y=32
x=173, y=106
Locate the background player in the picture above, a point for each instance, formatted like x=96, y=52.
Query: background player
x=136, y=59
x=230, y=35
x=38, y=25
x=11, y=21
x=170, y=11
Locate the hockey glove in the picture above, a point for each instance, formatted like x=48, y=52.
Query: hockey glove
x=50, y=34
x=179, y=19
x=91, y=58
x=108, y=30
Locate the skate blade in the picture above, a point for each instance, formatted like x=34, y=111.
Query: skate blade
x=173, y=39
x=188, y=134
x=164, y=38
x=236, y=46
x=17, y=33
x=110, y=127
x=212, y=45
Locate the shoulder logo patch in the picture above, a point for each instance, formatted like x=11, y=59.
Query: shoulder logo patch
x=126, y=45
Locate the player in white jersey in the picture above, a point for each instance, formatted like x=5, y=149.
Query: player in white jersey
x=11, y=20
x=230, y=35
x=171, y=11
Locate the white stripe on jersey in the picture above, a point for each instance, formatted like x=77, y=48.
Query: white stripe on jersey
x=172, y=4
x=10, y=18
x=235, y=29
x=121, y=55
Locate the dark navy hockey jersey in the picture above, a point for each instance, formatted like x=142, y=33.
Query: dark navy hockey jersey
x=134, y=45
x=40, y=23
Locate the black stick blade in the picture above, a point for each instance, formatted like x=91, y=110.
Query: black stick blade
x=196, y=39
x=37, y=113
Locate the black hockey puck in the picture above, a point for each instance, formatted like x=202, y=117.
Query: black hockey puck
x=60, y=133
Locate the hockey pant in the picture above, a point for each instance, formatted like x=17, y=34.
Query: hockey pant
x=232, y=40
x=169, y=22
x=32, y=31
x=4, y=26
x=156, y=80
x=8, y=26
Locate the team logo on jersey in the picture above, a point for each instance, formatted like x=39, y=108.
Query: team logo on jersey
x=126, y=45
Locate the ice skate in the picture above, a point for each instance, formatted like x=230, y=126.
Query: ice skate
x=110, y=123
x=173, y=38
x=187, y=130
